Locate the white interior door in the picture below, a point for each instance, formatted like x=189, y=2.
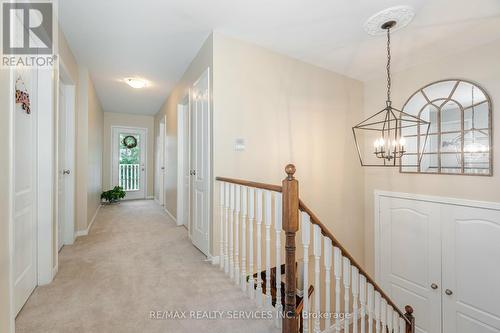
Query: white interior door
x=24, y=187
x=410, y=258
x=471, y=270
x=129, y=164
x=200, y=159
x=62, y=171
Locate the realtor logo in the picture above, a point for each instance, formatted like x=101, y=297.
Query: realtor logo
x=27, y=34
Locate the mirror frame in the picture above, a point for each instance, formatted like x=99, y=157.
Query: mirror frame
x=439, y=132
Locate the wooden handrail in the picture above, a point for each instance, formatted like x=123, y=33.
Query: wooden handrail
x=291, y=206
x=324, y=230
x=275, y=188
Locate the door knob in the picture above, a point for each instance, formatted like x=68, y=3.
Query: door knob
x=448, y=292
x=434, y=286
x=66, y=172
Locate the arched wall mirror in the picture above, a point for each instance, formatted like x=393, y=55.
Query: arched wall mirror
x=460, y=135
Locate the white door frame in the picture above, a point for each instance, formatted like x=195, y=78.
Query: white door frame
x=70, y=156
x=183, y=140
x=47, y=259
x=43, y=98
x=114, y=152
x=161, y=162
x=445, y=233
x=42, y=95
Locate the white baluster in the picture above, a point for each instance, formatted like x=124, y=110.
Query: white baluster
x=126, y=178
x=395, y=321
x=328, y=248
x=226, y=228
x=347, y=292
x=377, y=312
x=231, y=232
x=371, y=304
x=362, y=300
x=237, y=235
x=268, y=222
x=259, y=247
x=317, y=291
x=221, y=236
x=390, y=318
x=355, y=293
x=244, y=202
x=383, y=313
x=402, y=325
x=277, y=229
x=136, y=178
x=306, y=236
x=251, y=224
x=337, y=272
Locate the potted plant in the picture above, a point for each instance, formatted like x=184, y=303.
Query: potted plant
x=114, y=195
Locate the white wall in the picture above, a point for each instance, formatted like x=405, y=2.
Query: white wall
x=479, y=65
x=203, y=59
x=289, y=111
x=95, y=152
x=128, y=120
x=89, y=131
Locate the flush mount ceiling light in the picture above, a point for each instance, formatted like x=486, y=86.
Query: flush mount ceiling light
x=384, y=131
x=136, y=83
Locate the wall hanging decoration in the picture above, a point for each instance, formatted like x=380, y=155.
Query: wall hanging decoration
x=380, y=139
x=460, y=139
x=129, y=141
x=22, y=96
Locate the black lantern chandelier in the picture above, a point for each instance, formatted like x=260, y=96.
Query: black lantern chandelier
x=384, y=131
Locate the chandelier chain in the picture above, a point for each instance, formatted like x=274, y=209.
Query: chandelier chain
x=388, y=67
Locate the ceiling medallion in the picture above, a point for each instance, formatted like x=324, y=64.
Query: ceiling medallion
x=384, y=129
x=402, y=15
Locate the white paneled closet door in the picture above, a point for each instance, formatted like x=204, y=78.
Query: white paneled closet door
x=471, y=270
x=441, y=256
x=24, y=187
x=410, y=258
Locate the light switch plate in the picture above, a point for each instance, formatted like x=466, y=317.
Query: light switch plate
x=239, y=144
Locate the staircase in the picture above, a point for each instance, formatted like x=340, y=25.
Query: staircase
x=340, y=297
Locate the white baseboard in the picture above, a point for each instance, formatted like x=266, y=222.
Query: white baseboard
x=215, y=260
x=54, y=271
x=86, y=231
x=150, y=197
x=170, y=215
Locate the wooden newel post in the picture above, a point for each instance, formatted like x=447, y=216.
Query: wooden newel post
x=290, y=226
x=410, y=328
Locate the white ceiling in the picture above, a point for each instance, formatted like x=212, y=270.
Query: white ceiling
x=157, y=39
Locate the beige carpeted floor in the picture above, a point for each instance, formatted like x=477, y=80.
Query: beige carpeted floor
x=136, y=260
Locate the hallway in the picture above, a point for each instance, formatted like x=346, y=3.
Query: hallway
x=135, y=260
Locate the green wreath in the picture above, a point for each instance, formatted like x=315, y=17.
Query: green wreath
x=129, y=141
